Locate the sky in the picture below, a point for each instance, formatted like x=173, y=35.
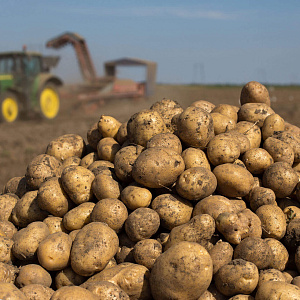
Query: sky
x=202, y=42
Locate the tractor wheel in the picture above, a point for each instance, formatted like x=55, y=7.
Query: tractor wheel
x=9, y=107
x=49, y=101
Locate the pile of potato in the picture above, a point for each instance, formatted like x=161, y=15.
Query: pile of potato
x=191, y=203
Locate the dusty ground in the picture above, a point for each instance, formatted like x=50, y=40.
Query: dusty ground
x=21, y=141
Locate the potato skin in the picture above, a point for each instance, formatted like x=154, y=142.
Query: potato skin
x=254, y=92
x=107, y=149
x=194, y=157
x=10, y=291
x=37, y=291
x=165, y=140
x=104, y=186
x=271, y=124
x=106, y=290
x=227, y=110
x=67, y=277
x=95, y=244
x=205, y=105
x=259, y=196
x=108, y=126
x=8, y=272
x=70, y=292
x=185, y=264
x=251, y=131
x=222, y=123
x=7, y=203
x=280, y=255
x=221, y=254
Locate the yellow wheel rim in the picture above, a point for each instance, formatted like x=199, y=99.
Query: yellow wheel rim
x=9, y=109
x=49, y=102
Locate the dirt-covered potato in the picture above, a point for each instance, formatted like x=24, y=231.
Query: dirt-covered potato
x=108, y=126
x=7, y=203
x=11, y=292
x=111, y=211
x=157, y=167
x=52, y=198
x=196, y=183
x=195, y=127
x=172, y=209
x=194, y=157
x=37, y=291
x=237, y=277
x=240, y=138
x=107, y=149
x=145, y=252
x=281, y=178
x=227, y=110
x=255, y=250
x=143, y=125
x=254, y=92
x=55, y=224
x=135, y=196
x=291, y=239
x=93, y=136
x=77, y=183
x=40, y=168
x=71, y=161
x=8, y=272
x=259, y=196
x=205, y=105
x=65, y=146
x=237, y=226
x=6, y=255
x=104, y=186
x=222, y=123
x=273, y=221
x=106, y=290
x=33, y=274
x=88, y=159
x=221, y=150
x=142, y=223
x=217, y=204
x=7, y=229
x=67, y=277
x=241, y=297
x=165, y=140
x=95, y=244
x=27, y=240
x=280, y=255
x=102, y=167
x=255, y=113
x=73, y=292
x=277, y=290
x=291, y=212
x=121, y=136
x=27, y=210
x=16, y=185
x=233, y=180
x=270, y=275
x=79, y=216
x=187, y=265
x=221, y=254
x=257, y=160
x=279, y=150
x=124, y=160
x=272, y=123
x=199, y=230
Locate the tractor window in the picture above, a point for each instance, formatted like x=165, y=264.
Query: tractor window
x=6, y=65
x=31, y=65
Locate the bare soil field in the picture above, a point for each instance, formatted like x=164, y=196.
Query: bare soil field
x=22, y=140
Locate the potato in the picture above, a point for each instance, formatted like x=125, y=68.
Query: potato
x=257, y=160
x=296, y=281
x=106, y=290
x=273, y=221
x=184, y=271
x=255, y=250
x=95, y=244
x=79, y=216
x=291, y=239
x=272, y=123
x=233, y=180
x=165, y=140
x=222, y=123
x=7, y=203
x=241, y=297
x=254, y=92
x=143, y=125
x=216, y=204
x=221, y=254
x=11, y=292
x=27, y=240
x=89, y=159
x=33, y=274
x=240, y=138
x=42, y=167
x=110, y=211
x=27, y=210
x=55, y=224
x=238, y=276
x=7, y=229
x=108, y=126
x=16, y=185
x=8, y=272
x=205, y=105
x=277, y=290
x=259, y=196
x=297, y=258
x=291, y=212
x=280, y=151
x=195, y=127
x=251, y=131
x=102, y=167
x=280, y=255
x=172, y=209
x=194, y=157
x=270, y=275
x=73, y=234
x=142, y=223
x=93, y=136
x=124, y=160
x=121, y=136
x=6, y=255
x=133, y=279
x=135, y=196
x=52, y=198
x=104, y=186
x=107, y=148
x=157, y=167
x=237, y=226
x=196, y=183
x=221, y=150
x=146, y=251
x=73, y=292
x=227, y=110
x=281, y=178
x=67, y=277
x=255, y=113
x=71, y=161
x=65, y=146
x=77, y=183
x=37, y=292
x=167, y=108
x=199, y=230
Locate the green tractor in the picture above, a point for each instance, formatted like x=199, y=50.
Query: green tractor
x=26, y=85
